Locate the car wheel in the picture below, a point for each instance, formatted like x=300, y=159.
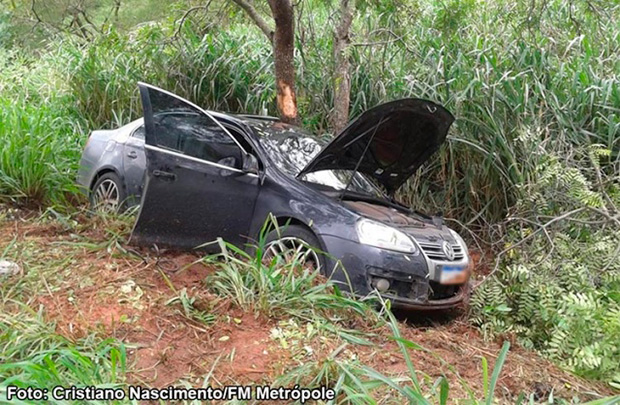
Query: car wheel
x=108, y=194
x=295, y=243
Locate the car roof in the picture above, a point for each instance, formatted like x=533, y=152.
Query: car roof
x=244, y=118
x=261, y=124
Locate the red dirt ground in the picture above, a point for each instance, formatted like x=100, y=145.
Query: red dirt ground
x=129, y=300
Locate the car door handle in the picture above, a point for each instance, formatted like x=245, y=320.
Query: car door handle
x=132, y=155
x=164, y=175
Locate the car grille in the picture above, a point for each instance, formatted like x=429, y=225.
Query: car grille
x=434, y=251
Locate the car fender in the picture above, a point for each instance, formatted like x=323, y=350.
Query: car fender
x=289, y=198
x=103, y=170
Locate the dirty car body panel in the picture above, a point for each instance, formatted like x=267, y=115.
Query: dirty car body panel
x=210, y=175
x=120, y=151
x=192, y=171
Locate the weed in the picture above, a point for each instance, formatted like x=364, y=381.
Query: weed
x=32, y=354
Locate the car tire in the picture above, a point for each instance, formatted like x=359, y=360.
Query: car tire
x=295, y=234
x=108, y=194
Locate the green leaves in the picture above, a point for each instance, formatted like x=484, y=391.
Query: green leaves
x=499, y=363
x=566, y=307
x=32, y=354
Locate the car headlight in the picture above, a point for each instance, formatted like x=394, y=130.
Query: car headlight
x=376, y=234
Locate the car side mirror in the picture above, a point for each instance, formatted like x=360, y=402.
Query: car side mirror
x=228, y=161
x=250, y=164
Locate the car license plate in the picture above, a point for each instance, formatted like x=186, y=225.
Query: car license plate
x=453, y=275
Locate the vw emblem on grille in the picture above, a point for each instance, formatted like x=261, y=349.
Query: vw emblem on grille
x=448, y=250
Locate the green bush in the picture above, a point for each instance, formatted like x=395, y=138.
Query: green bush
x=559, y=290
x=566, y=307
x=502, y=85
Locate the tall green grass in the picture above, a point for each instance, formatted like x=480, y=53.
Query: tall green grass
x=529, y=85
x=39, y=154
x=32, y=354
x=357, y=383
x=284, y=287
x=271, y=287
x=40, y=131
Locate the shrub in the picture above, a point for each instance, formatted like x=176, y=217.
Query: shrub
x=558, y=291
x=32, y=354
x=501, y=85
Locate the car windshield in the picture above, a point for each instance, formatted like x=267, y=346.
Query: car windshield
x=292, y=149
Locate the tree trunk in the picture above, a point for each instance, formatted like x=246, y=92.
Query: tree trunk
x=117, y=7
x=283, y=52
x=342, y=80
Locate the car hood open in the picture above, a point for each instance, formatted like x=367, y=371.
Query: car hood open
x=388, y=142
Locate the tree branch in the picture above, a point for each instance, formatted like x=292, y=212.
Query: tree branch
x=543, y=228
x=34, y=12
x=395, y=38
x=522, y=241
x=187, y=13
x=256, y=17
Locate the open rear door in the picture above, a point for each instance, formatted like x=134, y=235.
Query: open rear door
x=195, y=190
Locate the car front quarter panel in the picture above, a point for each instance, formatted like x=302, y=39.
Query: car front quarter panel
x=351, y=262
x=352, y=265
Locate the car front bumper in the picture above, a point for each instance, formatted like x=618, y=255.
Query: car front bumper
x=429, y=304
x=414, y=278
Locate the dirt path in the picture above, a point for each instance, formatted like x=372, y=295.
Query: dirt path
x=139, y=300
